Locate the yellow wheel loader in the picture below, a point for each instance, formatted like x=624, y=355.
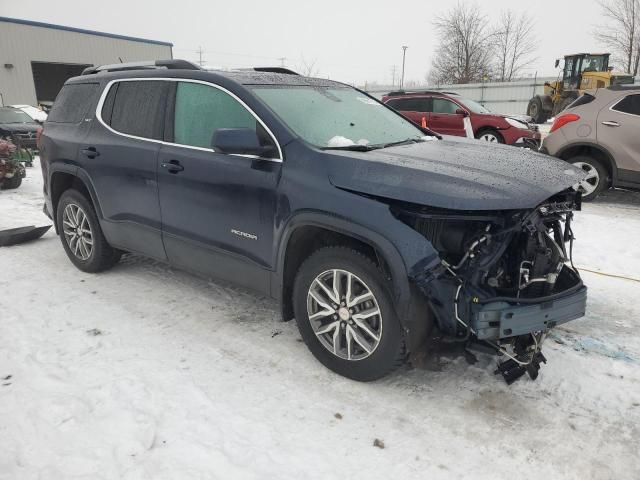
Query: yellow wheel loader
x=582, y=71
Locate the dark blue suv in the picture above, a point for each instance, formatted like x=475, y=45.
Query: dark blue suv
x=375, y=234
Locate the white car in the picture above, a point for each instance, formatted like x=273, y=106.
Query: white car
x=34, y=112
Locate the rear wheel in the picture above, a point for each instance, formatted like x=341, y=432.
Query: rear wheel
x=345, y=314
x=490, y=135
x=596, y=180
x=81, y=235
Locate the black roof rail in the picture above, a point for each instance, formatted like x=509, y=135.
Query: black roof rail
x=283, y=70
x=421, y=92
x=118, y=67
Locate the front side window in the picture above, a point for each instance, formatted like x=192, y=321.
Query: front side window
x=441, y=105
x=201, y=110
x=137, y=108
x=629, y=104
x=336, y=116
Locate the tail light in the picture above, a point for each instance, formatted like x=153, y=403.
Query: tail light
x=562, y=120
x=38, y=135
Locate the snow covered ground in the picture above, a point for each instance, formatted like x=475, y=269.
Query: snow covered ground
x=146, y=372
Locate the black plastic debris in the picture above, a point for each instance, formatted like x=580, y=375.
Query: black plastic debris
x=14, y=236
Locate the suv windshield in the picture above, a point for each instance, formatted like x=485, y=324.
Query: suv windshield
x=10, y=115
x=472, y=105
x=330, y=117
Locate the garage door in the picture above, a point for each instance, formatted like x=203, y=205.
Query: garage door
x=49, y=77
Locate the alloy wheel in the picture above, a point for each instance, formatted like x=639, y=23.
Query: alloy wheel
x=489, y=137
x=589, y=184
x=344, y=314
x=77, y=231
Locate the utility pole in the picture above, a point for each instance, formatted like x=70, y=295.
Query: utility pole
x=393, y=75
x=404, y=54
x=282, y=59
x=199, y=52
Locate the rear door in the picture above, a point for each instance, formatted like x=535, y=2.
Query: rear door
x=415, y=109
x=218, y=210
x=444, y=119
x=618, y=131
x=120, y=155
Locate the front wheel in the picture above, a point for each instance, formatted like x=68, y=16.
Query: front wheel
x=345, y=314
x=11, y=183
x=81, y=235
x=596, y=179
x=489, y=135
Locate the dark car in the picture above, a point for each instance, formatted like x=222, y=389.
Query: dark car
x=19, y=127
x=445, y=112
x=373, y=233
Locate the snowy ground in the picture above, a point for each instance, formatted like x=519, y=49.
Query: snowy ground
x=145, y=372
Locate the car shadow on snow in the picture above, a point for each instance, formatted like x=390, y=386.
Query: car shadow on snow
x=619, y=197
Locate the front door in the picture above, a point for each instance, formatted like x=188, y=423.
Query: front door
x=444, y=118
x=218, y=210
x=618, y=127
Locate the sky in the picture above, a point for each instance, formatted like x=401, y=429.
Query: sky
x=352, y=41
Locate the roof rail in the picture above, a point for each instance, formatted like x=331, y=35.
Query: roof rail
x=283, y=70
x=118, y=67
x=421, y=92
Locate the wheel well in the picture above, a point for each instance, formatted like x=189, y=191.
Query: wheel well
x=60, y=182
x=307, y=239
x=482, y=130
x=593, y=152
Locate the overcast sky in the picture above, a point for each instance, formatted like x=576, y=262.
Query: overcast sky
x=349, y=40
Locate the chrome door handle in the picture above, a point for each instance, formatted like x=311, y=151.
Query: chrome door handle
x=609, y=123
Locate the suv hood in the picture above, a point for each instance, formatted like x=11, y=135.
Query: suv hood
x=452, y=173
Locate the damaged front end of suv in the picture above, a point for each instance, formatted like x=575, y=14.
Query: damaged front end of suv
x=504, y=279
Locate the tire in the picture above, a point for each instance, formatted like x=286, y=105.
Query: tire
x=596, y=182
x=535, y=110
x=11, y=183
x=384, y=354
x=489, y=135
x=101, y=256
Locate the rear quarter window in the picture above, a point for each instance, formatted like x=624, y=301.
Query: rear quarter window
x=73, y=102
x=629, y=104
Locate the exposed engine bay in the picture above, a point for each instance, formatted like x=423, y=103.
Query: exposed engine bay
x=506, y=277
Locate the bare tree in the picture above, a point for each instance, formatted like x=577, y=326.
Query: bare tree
x=514, y=43
x=307, y=68
x=622, y=35
x=463, y=55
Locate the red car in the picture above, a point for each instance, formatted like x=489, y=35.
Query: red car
x=445, y=113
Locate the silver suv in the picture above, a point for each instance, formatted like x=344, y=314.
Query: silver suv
x=600, y=133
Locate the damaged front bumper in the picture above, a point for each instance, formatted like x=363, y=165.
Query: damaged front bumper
x=500, y=320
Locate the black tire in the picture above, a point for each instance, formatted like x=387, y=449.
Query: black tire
x=390, y=352
x=11, y=183
x=603, y=182
x=102, y=256
x=490, y=131
x=535, y=110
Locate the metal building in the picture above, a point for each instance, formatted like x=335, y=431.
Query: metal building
x=37, y=58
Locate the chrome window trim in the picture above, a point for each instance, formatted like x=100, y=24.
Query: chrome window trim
x=620, y=100
x=107, y=88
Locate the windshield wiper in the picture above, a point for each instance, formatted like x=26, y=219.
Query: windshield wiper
x=406, y=141
x=353, y=148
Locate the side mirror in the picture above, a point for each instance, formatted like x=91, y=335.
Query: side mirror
x=242, y=141
x=462, y=112
x=557, y=62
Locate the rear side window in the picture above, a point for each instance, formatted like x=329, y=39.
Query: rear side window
x=137, y=108
x=583, y=100
x=629, y=104
x=73, y=102
x=200, y=110
x=410, y=104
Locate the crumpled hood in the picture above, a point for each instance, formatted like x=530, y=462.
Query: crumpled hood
x=453, y=173
x=19, y=127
